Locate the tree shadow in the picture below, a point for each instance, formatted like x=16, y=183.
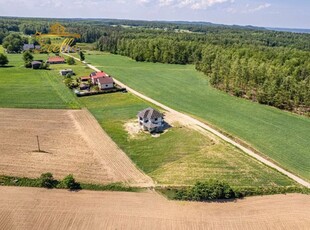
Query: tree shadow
x=7, y=66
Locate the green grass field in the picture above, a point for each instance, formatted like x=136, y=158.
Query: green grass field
x=27, y=88
x=180, y=156
x=280, y=136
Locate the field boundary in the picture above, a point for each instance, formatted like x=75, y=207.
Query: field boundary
x=207, y=128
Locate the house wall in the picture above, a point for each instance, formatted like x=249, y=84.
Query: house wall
x=106, y=86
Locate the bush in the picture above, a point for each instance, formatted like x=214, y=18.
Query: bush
x=44, y=65
x=3, y=59
x=70, y=61
x=70, y=183
x=47, y=180
x=208, y=190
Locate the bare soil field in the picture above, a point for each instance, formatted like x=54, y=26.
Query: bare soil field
x=33, y=208
x=73, y=142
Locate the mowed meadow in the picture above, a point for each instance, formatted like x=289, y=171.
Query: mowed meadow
x=280, y=136
x=181, y=156
x=26, y=88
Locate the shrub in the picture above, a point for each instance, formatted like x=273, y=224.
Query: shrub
x=68, y=75
x=3, y=59
x=70, y=61
x=47, y=180
x=70, y=183
x=82, y=56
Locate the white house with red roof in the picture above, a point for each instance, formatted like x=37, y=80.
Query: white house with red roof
x=94, y=76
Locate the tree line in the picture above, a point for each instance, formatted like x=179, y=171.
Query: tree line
x=269, y=67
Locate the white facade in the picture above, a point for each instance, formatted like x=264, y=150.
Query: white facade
x=105, y=85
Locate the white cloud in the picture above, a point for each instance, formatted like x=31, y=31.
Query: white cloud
x=258, y=8
x=193, y=4
x=247, y=8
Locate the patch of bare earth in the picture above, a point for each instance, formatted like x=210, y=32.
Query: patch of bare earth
x=33, y=208
x=73, y=142
x=133, y=128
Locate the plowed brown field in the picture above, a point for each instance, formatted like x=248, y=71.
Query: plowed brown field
x=73, y=142
x=33, y=208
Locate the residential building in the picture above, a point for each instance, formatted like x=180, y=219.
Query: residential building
x=151, y=120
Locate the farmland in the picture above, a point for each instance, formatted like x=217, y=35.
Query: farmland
x=280, y=136
x=30, y=208
x=180, y=156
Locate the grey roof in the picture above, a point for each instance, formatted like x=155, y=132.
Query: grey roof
x=36, y=63
x=150, y=113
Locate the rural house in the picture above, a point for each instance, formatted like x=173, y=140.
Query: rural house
x=36, y=64
x=151, y=120
x=105, y=83
x=64, y=72
x=96, y=75
x=56, y=60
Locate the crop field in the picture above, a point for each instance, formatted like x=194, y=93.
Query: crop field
x=280, y=136
x=27, y=88
x=72, y=142
x=32, y=208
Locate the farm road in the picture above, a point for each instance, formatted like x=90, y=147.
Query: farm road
x=184, y=118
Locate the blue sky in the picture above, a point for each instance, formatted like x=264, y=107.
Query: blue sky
x=269, y=13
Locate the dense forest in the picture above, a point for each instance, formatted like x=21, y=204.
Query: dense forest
x=269, y=67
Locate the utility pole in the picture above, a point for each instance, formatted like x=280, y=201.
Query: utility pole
x=38, y=143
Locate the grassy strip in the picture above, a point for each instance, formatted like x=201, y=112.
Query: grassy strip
x=37, y=182
x=172, y=193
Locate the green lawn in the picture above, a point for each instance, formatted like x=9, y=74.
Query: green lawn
x=27, y=88
x=181, y=156
x=280, y=136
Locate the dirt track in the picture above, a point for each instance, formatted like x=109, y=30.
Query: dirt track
x=32, y=208
x=74, y=142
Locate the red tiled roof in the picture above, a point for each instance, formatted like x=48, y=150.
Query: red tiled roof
x=96, y=75
x=56, y=59
x=105, y=80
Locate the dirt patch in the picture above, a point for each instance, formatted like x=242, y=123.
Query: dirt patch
x=73, y=142
x=133, y=128
x=31, y=208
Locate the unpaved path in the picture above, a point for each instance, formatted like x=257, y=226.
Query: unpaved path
x=73, y=142
x=184, y=118
x=34, y=208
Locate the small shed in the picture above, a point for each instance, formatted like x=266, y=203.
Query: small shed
x=36, y=64
x=83, y=86
x=64, y=72
x=85, y=78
